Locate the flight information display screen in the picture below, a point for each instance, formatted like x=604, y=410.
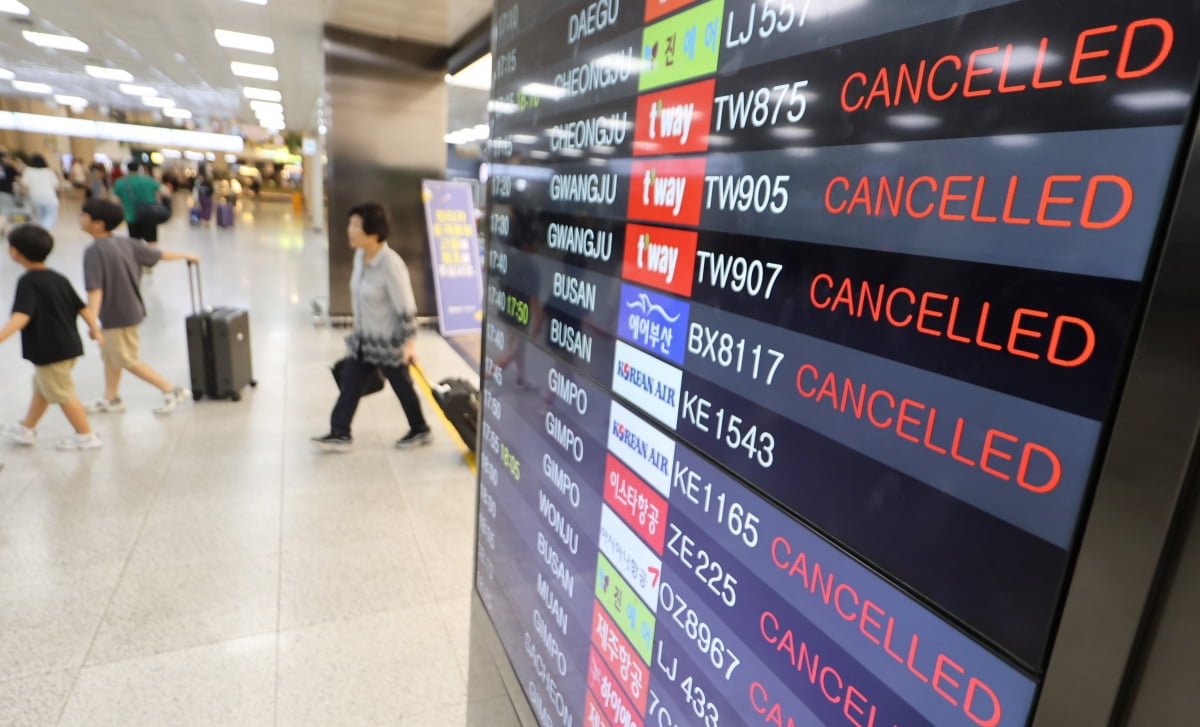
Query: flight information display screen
x=805, y=320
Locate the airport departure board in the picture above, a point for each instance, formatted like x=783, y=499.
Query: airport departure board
x=805, y=321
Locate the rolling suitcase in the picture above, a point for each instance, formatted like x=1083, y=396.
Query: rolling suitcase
x=459, y=401
x=224, y=215
x=218, y=346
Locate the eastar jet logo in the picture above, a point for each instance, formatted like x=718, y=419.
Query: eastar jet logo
x=667, y=191
x=675, y=121
x=660, y=258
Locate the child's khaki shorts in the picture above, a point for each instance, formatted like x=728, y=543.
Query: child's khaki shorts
x=54, y=381
x=121, y=347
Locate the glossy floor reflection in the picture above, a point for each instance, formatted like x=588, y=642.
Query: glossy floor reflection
x=210, y=567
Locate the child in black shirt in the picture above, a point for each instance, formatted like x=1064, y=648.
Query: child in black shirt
x=44, y=312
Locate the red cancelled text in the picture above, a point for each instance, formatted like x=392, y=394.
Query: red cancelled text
x=1065, y=341
x=1063, y=200
x=1097, y=55
x=1000, y=454
x=937, y=670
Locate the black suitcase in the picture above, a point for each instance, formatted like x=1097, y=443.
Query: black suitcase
x=218, y=346
x=459, y=401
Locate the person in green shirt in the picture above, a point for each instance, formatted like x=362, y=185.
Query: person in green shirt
x=139, y=188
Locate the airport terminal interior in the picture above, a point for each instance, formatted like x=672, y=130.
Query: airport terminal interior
x=822, y=363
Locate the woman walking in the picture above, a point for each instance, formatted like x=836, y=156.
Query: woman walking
x=42, y=185
x=385, y=330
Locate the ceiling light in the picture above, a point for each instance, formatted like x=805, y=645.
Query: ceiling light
x=266, y=106
x=276, y=122
x=478, y=75
x=72, y=101
x=16, y=8
x=255, y=2
x=244, y=41
x=194, y=156
x=172, y=153
x=29, y=87
x=162, y=103
x=60, y=42
x=252, y=70
x=109, y=74
x=230, y=158
x=6, y=74
x=133, y=90
x=177, y=113
x=262, y=94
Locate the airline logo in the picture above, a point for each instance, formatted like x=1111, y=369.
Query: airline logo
x=647, y=451
x=615, y=706
x=682, y=47
x=647, y=382
x=626, y=609
x=620, y=656
x=668, y=191
x=661, y=258
x=655, y=322
x=657, y=8
x=675, y=121
x=633, y=559
x=643, y=509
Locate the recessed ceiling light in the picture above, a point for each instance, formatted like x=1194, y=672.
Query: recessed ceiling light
x=266, y=106
x=72, y=101
x=109, y=74
x=162, y=103
x=16, y=8
x=244, y=41
x=262, y=94
x=29, y=87
x=255, y=2
x=271, y=119
x=59, y=42
x=251, y=70
x=133, y=90
x=177, y=113
x=6, y=74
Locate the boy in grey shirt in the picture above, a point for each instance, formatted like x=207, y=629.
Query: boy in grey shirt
x=112, y=273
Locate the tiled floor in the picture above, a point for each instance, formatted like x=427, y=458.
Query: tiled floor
x=211, y=568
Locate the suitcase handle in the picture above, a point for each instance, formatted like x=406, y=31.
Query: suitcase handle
x=195, y=287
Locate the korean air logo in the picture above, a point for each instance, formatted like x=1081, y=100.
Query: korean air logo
x=648, y=383
x=654, y=322
x=646, y=450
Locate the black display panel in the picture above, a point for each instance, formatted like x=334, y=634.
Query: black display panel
x=805, y=322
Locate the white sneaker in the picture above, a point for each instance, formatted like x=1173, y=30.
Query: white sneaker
x=104, y=406
x=172, y=399
x=79, y=441
x=19, y=434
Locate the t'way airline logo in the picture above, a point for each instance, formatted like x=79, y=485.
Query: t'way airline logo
x=675, y=121
x=660, y=258
x=667, y=191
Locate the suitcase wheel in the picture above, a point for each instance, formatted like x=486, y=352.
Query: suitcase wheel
x=235, y=396
x=197, y=396
x=253, y=383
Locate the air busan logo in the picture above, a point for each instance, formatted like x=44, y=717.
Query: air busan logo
x=675, y=121
x=667, y=191
x=660, y=258
x=647, y=451
x=650, y=384
x=653, y=322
